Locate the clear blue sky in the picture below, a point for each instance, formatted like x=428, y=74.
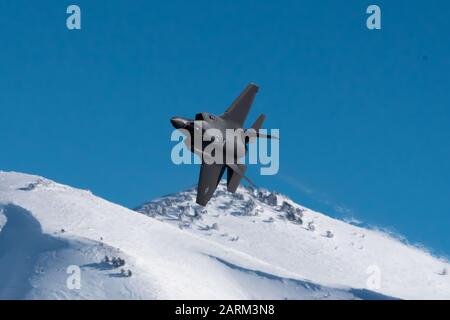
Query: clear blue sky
x=364, y=115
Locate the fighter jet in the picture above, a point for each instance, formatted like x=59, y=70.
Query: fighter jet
x=234, y=117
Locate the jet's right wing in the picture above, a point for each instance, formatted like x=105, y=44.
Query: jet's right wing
x=239, y=109
x=210, y=175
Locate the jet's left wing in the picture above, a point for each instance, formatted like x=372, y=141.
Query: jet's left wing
x=239, y=109
x=210, y=175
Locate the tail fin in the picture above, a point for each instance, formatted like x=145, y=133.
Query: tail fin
x=259, y=122
x=256, y=127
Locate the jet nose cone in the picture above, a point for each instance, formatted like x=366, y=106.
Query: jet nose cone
x=178, y=122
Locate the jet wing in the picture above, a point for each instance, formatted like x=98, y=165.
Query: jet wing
x=210, y=175
x=239, y=109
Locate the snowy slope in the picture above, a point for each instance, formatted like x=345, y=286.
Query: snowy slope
x=272, y=228
x=47, y=228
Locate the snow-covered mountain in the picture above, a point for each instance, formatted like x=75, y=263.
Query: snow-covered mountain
x=251, y=245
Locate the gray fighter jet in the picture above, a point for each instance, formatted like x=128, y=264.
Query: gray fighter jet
x=234, y=117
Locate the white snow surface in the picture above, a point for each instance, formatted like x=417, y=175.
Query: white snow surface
x=254, y=244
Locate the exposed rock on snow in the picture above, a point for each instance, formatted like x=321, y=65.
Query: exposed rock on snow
x=271, y=227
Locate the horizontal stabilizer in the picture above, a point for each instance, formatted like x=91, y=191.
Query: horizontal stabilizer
x=267, y=136
x=250, y=134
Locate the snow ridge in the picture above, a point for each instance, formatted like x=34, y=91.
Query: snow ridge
x=255, y=244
